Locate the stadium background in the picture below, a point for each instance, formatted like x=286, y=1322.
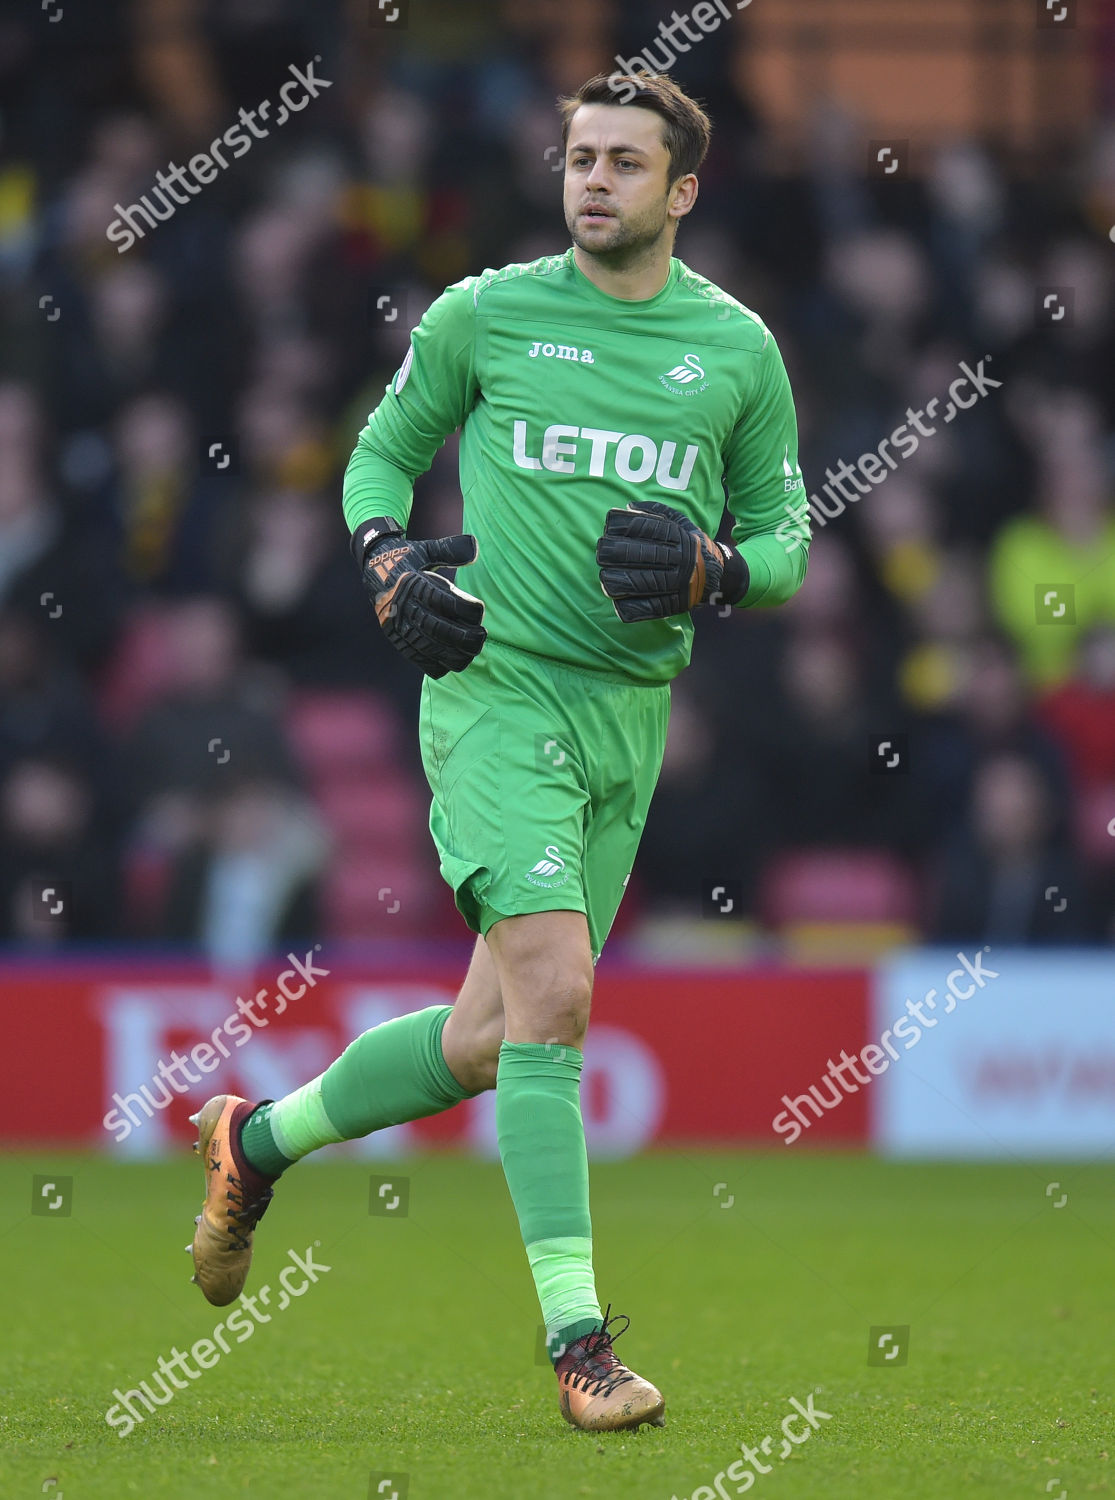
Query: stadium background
x=207, y=752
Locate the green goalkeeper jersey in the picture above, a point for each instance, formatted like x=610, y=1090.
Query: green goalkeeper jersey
x=571, y=401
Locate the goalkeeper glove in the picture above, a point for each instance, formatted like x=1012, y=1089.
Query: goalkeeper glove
x=431, y=621
x=654, y=562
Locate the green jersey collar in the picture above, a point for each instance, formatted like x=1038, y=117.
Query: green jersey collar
x=606, y=297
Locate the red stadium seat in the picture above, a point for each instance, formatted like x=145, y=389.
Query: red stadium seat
x=147, y=875
x=382, y=882
x=141, y=670
x=386, y=814
x=1095, y=825
x=342, y=731
x=833, y=905
x=366, y=896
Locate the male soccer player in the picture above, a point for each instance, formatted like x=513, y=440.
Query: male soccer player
x=604, y=396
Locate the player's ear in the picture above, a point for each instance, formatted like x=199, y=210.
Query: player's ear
x=683, y=195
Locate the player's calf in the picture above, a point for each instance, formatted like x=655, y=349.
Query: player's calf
x=470, y=1040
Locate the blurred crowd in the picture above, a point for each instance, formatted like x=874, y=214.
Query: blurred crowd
x=203, y=738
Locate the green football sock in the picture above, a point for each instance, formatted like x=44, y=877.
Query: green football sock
x=542, y=1147
x=393, y=1073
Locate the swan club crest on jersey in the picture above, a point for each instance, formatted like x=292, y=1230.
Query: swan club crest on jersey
x=550, y=871
x=687, y=378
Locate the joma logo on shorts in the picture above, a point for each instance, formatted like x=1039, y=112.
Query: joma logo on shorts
x=630, y=456
x=562, y=351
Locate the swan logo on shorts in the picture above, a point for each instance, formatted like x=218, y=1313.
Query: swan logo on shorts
x=547, y=870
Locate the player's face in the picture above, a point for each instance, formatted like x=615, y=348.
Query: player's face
x=618, y=196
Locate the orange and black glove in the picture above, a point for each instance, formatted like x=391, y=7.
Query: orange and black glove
x=427, y=618
x=654, y=562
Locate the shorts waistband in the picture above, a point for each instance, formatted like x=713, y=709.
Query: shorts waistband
x=618, y=679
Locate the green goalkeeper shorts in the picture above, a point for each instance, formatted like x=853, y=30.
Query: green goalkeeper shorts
x=542, y=776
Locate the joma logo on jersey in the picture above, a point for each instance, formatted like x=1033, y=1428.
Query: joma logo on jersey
x=631, y=456
x=562, y=351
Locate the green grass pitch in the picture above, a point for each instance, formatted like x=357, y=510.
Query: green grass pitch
x=416, y=1354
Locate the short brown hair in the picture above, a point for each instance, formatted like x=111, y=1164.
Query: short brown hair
x=687, y=129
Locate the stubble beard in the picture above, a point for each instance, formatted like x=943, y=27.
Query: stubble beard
x=630, y=246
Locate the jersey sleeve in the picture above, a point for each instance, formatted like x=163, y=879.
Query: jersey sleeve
x=430, y=396
x=766, y=493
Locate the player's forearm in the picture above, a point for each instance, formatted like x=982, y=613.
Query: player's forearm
x=776, y=575
x=374, y=485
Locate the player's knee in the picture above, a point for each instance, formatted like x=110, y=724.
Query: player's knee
x=559, y=1012
x=546, y=975
x=570, y=1013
